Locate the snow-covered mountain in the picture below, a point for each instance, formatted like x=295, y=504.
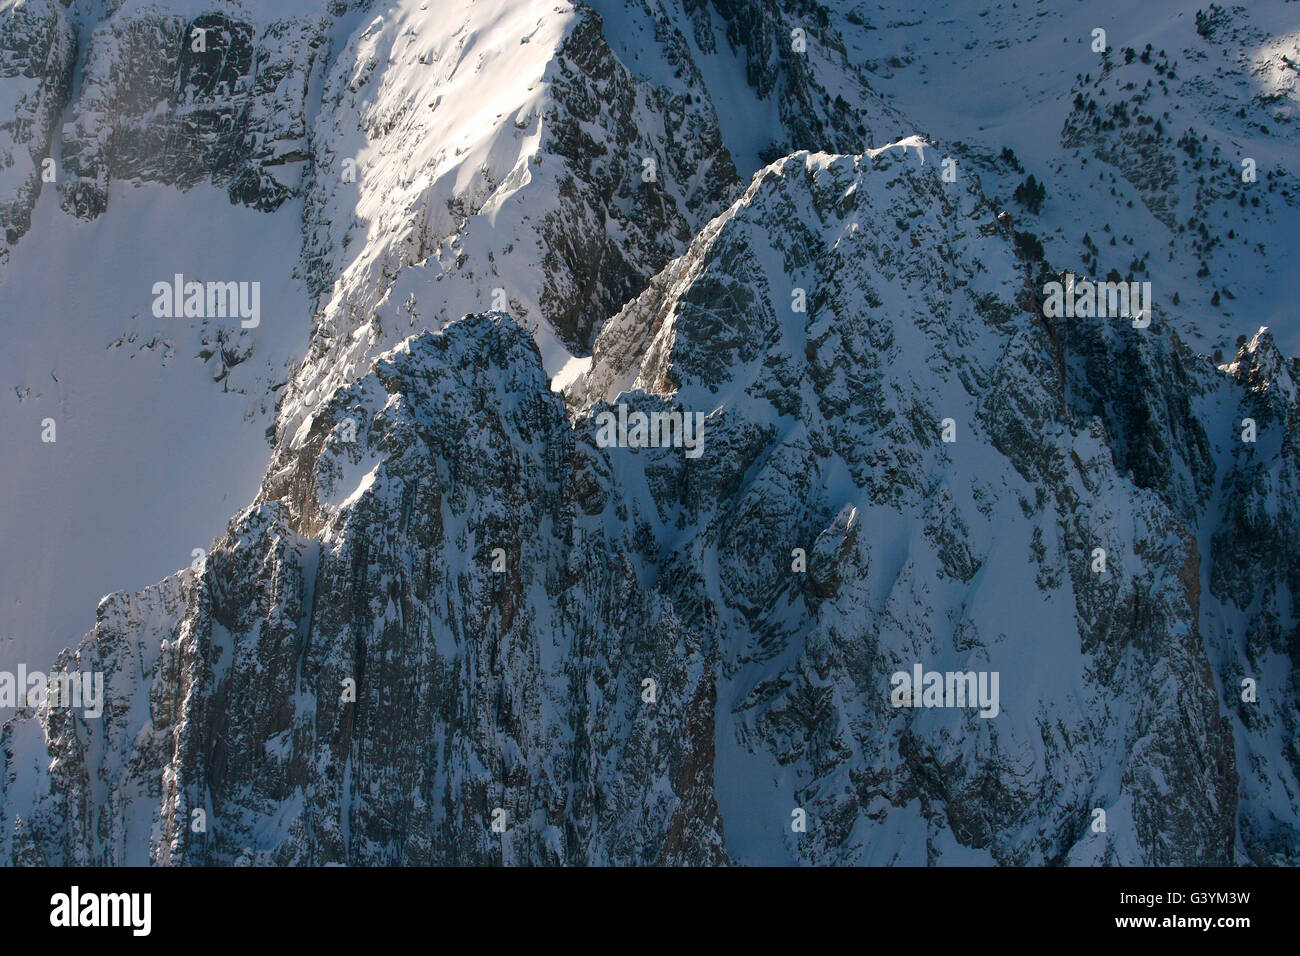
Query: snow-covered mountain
x=449, y=621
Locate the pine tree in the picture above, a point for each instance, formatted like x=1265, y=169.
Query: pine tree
x=1030, y=194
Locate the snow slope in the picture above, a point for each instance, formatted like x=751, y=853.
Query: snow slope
x=155, y=445
x=1228, y=85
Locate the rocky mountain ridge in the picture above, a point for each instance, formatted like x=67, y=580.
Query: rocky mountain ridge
x=453, y=627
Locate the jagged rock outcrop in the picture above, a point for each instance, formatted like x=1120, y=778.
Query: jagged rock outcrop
x=791, y=52
x=183, y=100
x=887, y=351
x=556, y=202
x=473, y=691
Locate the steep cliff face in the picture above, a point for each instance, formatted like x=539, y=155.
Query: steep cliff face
x=162, y=137
x=458, y=624
x=1253, y=580
x=900, y=335
x=183, y=99
x=516, y=164
x=370, y=558
x=371, y=693
x=37, y=49
x=545, y=161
